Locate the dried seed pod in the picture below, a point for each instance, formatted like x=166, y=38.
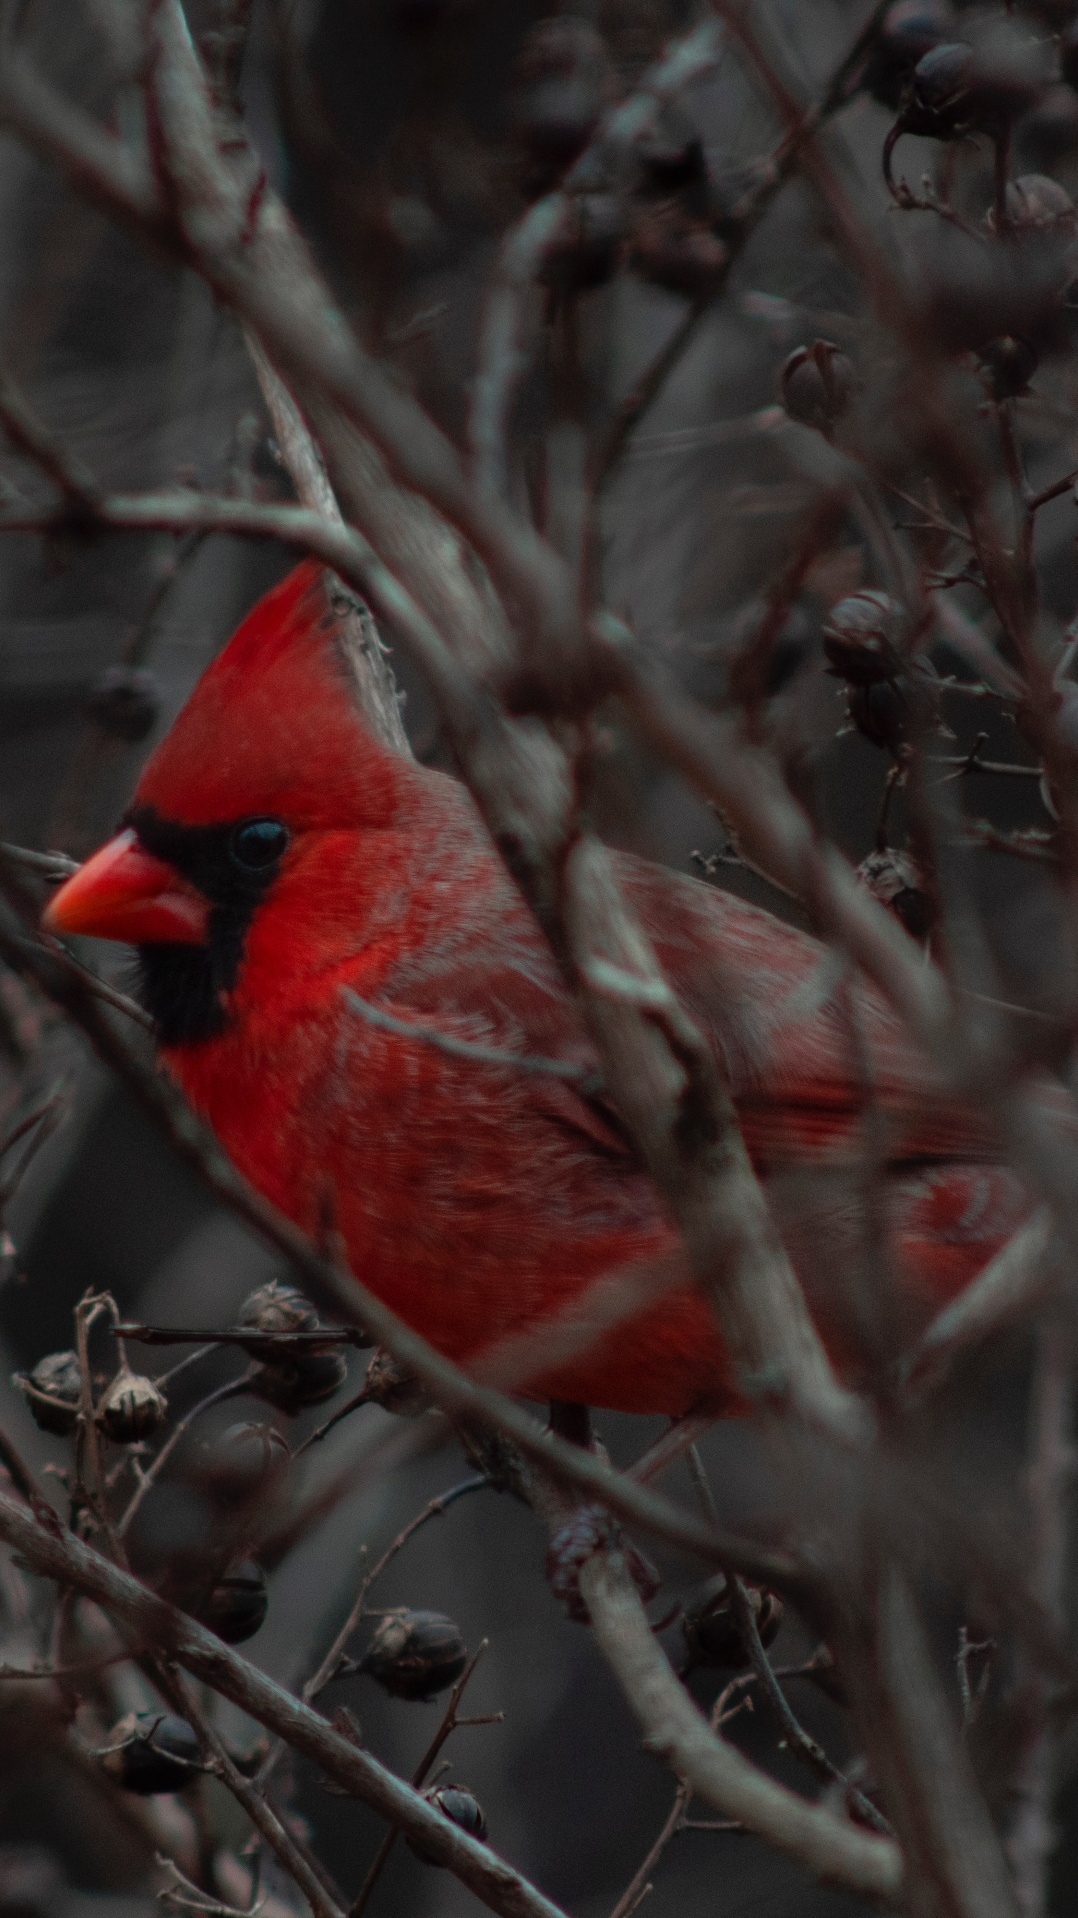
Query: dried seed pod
x=309, y=1378
x=160, y=1754
x=395, y=1390
x=711, y=1631
x=673, y=250
x=276, y=1307
x=881, y=712
x=908, y=30
x=52, y=1391
x=414, y=1654
x=984, y=87
x=247, y=1461
x=237, y=1606
x=896, y=880
x=816, y=383
x=939, y=104
x=125, y=703
x=132, y=1408
x=1036, y=203
x=859, y=638
x=1006, y=366
x=461, y=1807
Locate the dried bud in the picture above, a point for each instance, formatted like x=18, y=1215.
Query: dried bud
x=584, y=251
x=860, y=638
x=309, y=1378
x=159, y=1754
x=238, y=1603
x=461, y=1807
x=1006, y=366
x=816, y=383
x=247, y=1461
x=908, y=30
x=125, y=703
x=672, y=250
x=415, y=1655
x=711, y=1631
x=896, y=880
x=131, y=1409
x=52, y=1391
x=277, y=1308
x=393, y=1389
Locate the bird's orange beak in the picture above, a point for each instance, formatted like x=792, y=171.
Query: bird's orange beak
x=123, y=892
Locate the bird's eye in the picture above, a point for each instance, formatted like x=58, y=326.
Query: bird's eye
x=258, y=844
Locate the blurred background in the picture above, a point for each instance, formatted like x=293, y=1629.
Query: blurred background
x=407, y=135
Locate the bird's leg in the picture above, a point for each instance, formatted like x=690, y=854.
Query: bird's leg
x=588, y=1528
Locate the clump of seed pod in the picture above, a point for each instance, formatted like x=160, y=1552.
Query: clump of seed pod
x=302, y=1377
x=159, y=1753
x=710, y=1628
x=132, y=1408
x=817, y=384
x=52, y=1391
x=461, y=1807
x=236, y=1606
x=125, y=703
x=415, y=1654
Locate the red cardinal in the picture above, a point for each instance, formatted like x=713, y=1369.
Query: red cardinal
x=275, y=857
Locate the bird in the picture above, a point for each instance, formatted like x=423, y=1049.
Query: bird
x=348, y=985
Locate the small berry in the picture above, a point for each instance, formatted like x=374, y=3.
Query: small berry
x=160, y=1753
x=247, y=1461
x=385, y=1384
x=881, y=712
x=908, y=30
x=415, y=1654
x=859, y=638
x=237, y=1605
x=307, y=1378
x=461, y=1807
x=816, y=383
x=276, y=1307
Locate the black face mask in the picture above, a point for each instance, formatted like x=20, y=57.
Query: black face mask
x=183, y=988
